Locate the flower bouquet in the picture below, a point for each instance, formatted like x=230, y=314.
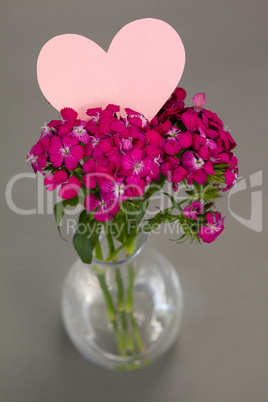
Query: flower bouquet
x=122, y=301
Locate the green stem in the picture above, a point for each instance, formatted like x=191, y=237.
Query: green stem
x=131, y=276
x=129, y=308
x=138, y=339
x=111, y=311
x=114, y=254
x=98, y=251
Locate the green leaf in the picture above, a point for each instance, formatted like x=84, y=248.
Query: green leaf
x=59, y=211
x=174, y=203
x=86, y=236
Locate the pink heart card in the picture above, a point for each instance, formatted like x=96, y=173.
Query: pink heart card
x=140, y=70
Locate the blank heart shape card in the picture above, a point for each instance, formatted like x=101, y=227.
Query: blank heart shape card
x=141, y=69
x=124, y=131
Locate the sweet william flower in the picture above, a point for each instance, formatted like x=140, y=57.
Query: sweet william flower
x=191, y=161
x=179, y=94
x=136, y=119
x=48, y=131
x=231, y=176
x=213, y=229
x=81, y=133
x=65, y=125
x=69, y=187
x=39, y=154
x=134, y=164
x=106, y=208
x=181, y=174
x=65, y=150
x=191, y=211
x=135, y=186
x=114, y=189
x=172, y=145
x=95, y=170
x=199, y=100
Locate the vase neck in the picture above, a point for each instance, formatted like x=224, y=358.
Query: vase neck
x=123, y=256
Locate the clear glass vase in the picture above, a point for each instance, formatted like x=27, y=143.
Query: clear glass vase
x=124, y=314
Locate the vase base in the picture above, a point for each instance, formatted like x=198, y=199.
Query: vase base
x=140, y=336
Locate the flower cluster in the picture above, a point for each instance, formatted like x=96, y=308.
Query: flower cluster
x=112, y=159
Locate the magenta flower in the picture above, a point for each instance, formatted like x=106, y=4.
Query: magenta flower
x=114, y=189
x=212, y=157
x=32, y=156
x=136, y=119
x=169, y=166
x=230, y=178
x=172, y=145
x=39, y=154
x=134, y=163
x=53, y=181
x=191, y=161
x=227, y=140
x=97, y=146
x=48, y=131
x=191, y=211
x=212, y=123
x=106, y=208
x=201, y=139
x=135, y=186
x=65, y=125
x=81, y=133
x=65, y=150
x=213, y=228
x=191, y=120
x=179, y=94
x=69, y=187
x=199, y=101
x=180, y=174
x=96, y=170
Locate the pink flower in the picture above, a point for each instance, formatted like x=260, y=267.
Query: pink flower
x=65, y=150
x=134, y=163
x=136, y=119
x=48, y=131
x=191, y=161
x=135, y=186
x=81, y=133
x=52, y=181
x=180, y=174
x=212, y=123
x=169, y=166
x=106, y=208
x=179, y=94
x=212, y=156
x=69, y=188
x=114, y=189
x=230, y=178
x=227, y=140
x=32, y=157
x=196, y=208
x=97, y=146
x=191, y=120
x=65, y=125
x=100, y=120
x=39, y=154
x=213, y=228
x=95, y=170
x=199, y=101
x=172, y=145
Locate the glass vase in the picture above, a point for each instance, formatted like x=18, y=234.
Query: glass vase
x=123, y=314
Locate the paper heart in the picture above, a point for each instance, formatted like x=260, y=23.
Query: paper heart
x=142, y=67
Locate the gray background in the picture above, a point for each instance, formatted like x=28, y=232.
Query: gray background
x=222, y=352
